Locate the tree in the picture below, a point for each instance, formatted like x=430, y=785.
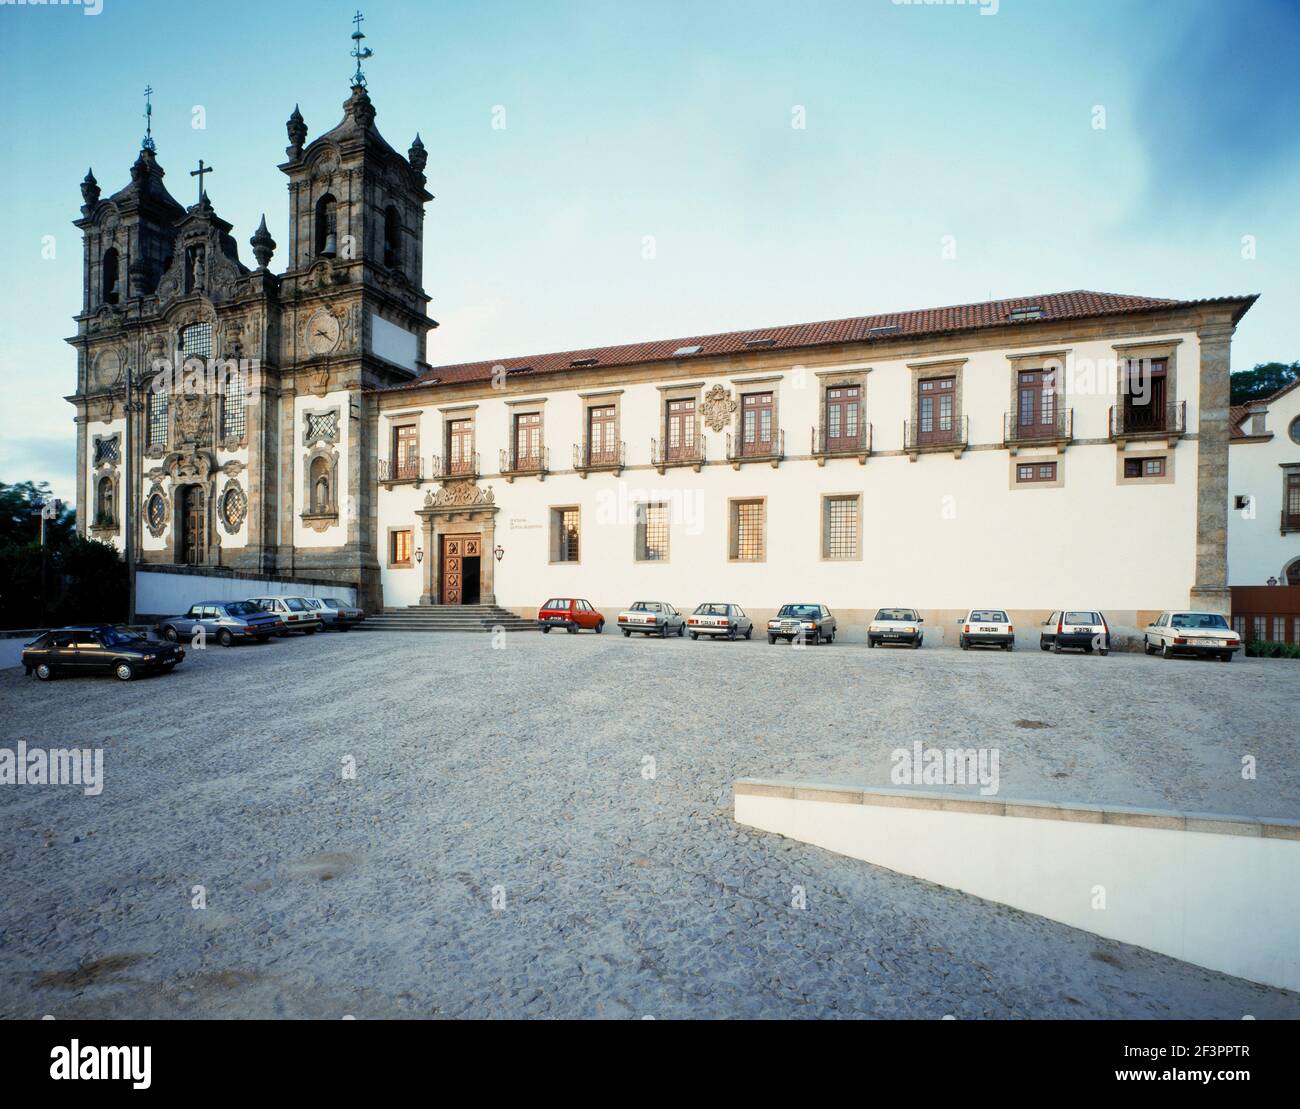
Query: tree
x=1263, y=381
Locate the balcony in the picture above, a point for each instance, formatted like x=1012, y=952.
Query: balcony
x=918, y=440
x=514, y=464
x=1290, y=522
x=758, y=450
x=857, y=445
x=662, y=455
x=400, y=472
x=465, y=468
x=1133, y=422
x=1056, y=432
x=585, y=460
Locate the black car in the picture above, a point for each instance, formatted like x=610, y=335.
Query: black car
x=99, y=648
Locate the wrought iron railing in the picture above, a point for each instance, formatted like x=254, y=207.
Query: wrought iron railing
x=402, y=469
x=682, y=454
x=514, y=462
x=916, y=438
x=824, y=444
x=1060, y=428
x=1134, y=419
x=738, y=450
x=607, y=458
x=465, y=467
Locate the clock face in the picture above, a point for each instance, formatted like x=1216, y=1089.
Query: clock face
x=322, y=332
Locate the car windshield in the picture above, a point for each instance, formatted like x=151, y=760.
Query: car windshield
x=330, y=602
x=113, y=637
x=810, y=611
x=988, y=616
x=1198, y=620
x=896, y=614
x=295, y=605
x=711, y=610
x=1082, y=618
x=645, y=606
x=242, y=608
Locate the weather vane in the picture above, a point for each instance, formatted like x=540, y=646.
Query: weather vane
x=148, y=119
x=361, y=53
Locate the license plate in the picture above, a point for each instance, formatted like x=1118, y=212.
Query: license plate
x=988, y=629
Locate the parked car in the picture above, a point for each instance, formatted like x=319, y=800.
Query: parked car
x=652, y=618
x=719, y=618
x=297, y=615
x=99, y=648
x=813, y=622
x=896, y=625
x=1084, y=629
x=1191, y=633
x=225, y=621
x=986, y=627
x=336, y=614
x=571, y=614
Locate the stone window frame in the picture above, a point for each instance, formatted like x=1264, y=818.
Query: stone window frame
x=156, y=490
x=931, y=368
x=1167, y=478
x=555, y=536
x=682, y=390
x=451, y=414
x=1166, y=349
x=308, y=414
x=116, y=440
x=1016, y=461
x=232, y=485
x=114, y=523
x=826, y=498
x=639, y=531
x=600, y=398
x=839, y=378
x=1037, y=360
x=530, y=406
x=397, y=421
x=733, y=535
x=407, y=564
x=741, y=387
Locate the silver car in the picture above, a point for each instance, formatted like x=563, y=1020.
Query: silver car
x=336, y=614
x=652, y=618
x=294, y=613
x=225, y=621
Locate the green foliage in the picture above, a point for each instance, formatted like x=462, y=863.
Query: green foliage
x=1263, y=381
x=1257, y=648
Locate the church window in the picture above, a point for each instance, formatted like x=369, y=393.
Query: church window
x=392, y=238
x=196, y=340
x=233, y=410
x=157, y=509
x=326, y=226
x=110, y=276
x=233, y=505
x=157, y=415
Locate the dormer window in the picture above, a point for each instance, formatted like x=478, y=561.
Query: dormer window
x=110, y=276
x=326, y=240
x=1028, y=312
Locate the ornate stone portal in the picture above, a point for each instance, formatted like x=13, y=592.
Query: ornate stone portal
x=458, y=508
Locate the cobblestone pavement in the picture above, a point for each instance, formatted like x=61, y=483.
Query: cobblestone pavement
x=520, y=775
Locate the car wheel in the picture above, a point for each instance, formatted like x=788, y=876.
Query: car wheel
x=169, y=633
x=627, y=634
x=44, y=671
x=546, y=630
x=749, y=632
x=572, y=629
x=1056, y=647
x=1042, y=643
x=870, y=642
x=681, y=630
x=1147, y=649
x=771, y=641
x=731, y=634
x=1227, y=657
x=1103, y=651
x=310, y=631
x=600, y=627
x=816, y=638
x=830, y=638
x=695, y=635
x=663, y=631
x=1166, y=651
x=225, y=638
x=123, y=671
x=961, y=642
x=916, y=646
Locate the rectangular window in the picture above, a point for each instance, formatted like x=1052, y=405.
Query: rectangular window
x=1036, y=407
x=1036, y=471
x=1293, y=499
x=681, y=429
x=1145, y=394
x=399, y=547
x=840, y=527
x=1144, y=467
x=601, y=450
x=756, y=412
x=652, y=532
x=1258, y=622
x=233, y=403
x=747, y=541
x=1279, y=629
x=157, y=420
x=1239, y=625
x=936, y=410
x=460, y=446
x=528, y=441
x=564, y=534
x=406, y=451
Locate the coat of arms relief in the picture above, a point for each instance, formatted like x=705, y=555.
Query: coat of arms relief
x=717, y=408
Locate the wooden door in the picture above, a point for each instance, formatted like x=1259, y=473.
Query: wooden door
x=681, y=429
x=455, y=550
x=843, y=418
x=1036, y=405
x=756, y=424
x=193, y=525
x=936, y=417
x=1144, y=401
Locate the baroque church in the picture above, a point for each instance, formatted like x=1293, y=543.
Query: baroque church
x=264, y=475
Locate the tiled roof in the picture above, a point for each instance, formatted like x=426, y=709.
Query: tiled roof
x=1236, y=417
x=1016, y=312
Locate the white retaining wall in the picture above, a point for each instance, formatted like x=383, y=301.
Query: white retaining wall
x=164, y=594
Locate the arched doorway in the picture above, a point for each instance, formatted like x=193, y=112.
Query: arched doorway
x=1291, y=575
x=192, y=512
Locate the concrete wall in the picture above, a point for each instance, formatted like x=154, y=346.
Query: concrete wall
x=1219, y=891
x=159, y=593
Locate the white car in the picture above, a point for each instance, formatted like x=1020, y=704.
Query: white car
x=986, y=627
x=1083, y=628
x=652, y=618
x=1191, y=633
x=896, y=625
x=296, y=612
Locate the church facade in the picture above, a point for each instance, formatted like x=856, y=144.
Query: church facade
x=1066, y=449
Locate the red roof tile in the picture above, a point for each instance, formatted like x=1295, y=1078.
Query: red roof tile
x=1079, y=304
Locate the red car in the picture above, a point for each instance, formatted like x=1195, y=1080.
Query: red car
x=570, y=614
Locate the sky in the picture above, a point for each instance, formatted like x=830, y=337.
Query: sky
x=675, y=168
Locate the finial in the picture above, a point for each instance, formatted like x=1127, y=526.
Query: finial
x=147, y=143
x=262, y=243
x=90, y=189
x=199, y=174
x=297, y=132
x=361, y=53
x=417, y=155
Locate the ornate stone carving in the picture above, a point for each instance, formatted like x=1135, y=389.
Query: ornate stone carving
x=717, y=408
x=320, y=426
x=233, y=506
x=459, y=494
x=192, y=415
x=157, y=510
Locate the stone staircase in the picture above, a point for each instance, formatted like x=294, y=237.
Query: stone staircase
x=445, y=618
